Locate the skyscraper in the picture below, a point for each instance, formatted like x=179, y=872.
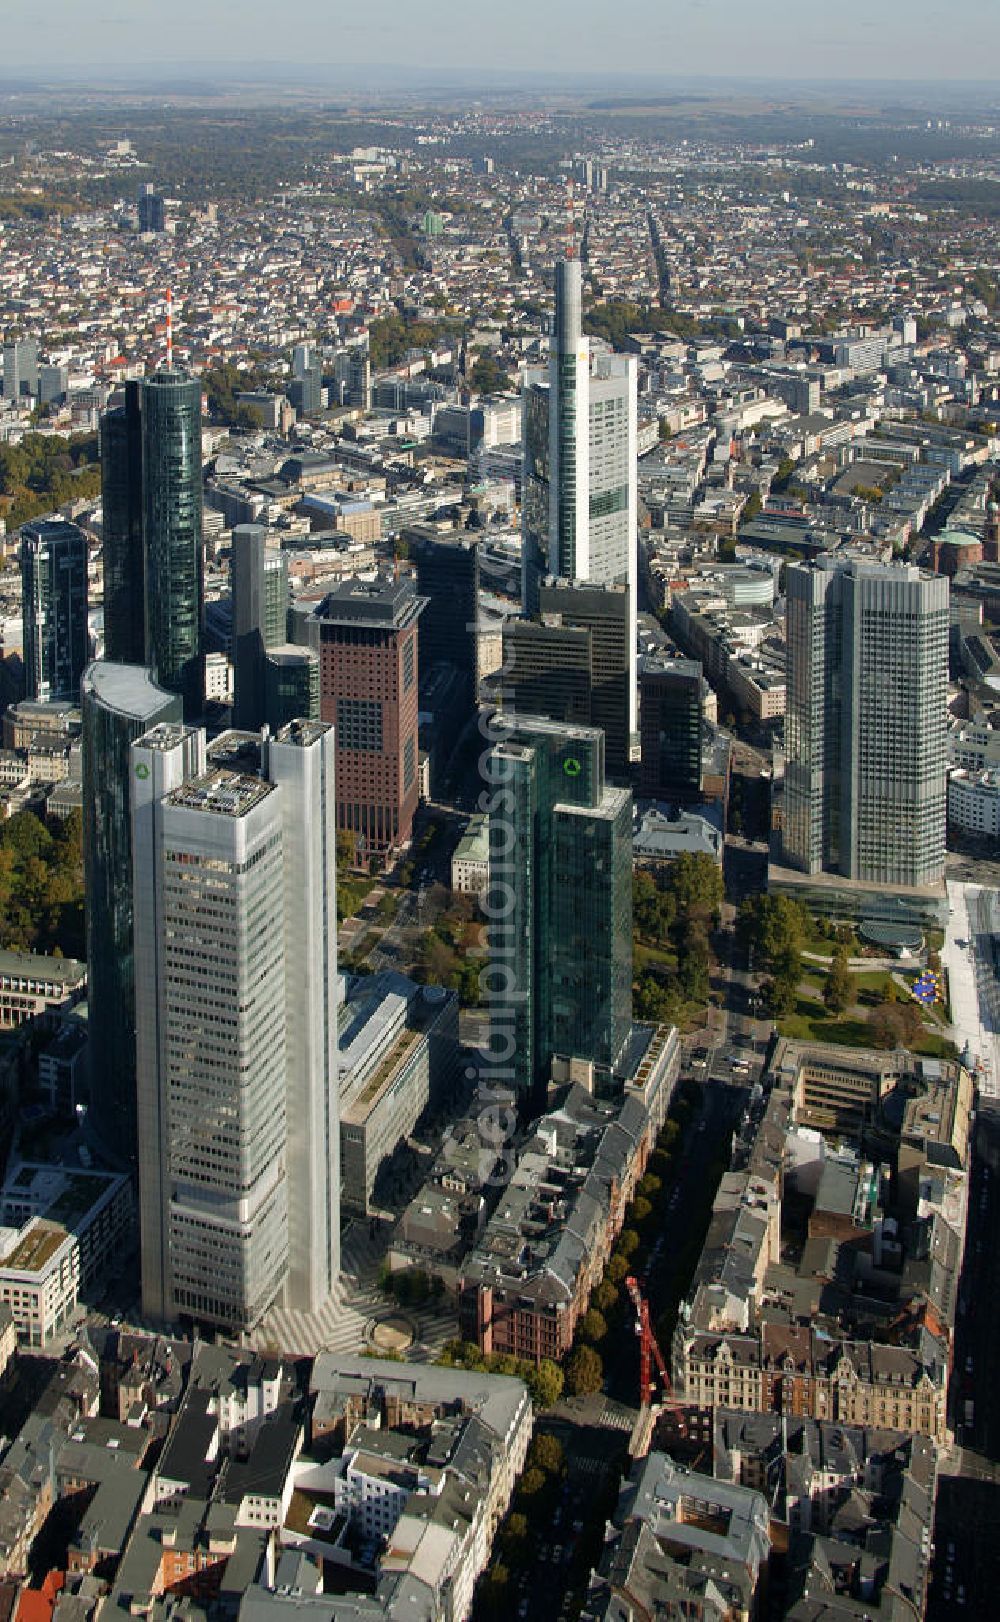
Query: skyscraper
x=119, y=702
x=368, y=689
x=259, y=586
x=20, y=368
x=353, y=375
x=151, y=210
x=448, y=578
x=54, y=606
x=578, y=664
x=171, y=526
x=235, y=928
x=153, y=557
x=561, y=942
x=865, y=729
x=670, y=710
x=291, y=685
x=123, y=551
x=580, y=504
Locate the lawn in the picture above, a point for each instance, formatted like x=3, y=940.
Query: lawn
x=649, y=957
x=810, y=1024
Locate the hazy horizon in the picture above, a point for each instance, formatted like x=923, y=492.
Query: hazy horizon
x=894, y=42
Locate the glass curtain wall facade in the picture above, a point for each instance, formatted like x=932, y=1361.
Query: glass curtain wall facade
x=121, y=501
x=172, y=530
x=291, y=686
x=448, y=578
x=119, y=703
x=670, y=727
x=151, y=483
x=54, y=607
x=579, y=443
x=561, y=848
x=259, y=589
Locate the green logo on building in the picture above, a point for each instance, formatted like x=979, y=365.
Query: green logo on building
x=571, y=766
x=142, y=770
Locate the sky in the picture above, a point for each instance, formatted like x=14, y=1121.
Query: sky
x=773, y=39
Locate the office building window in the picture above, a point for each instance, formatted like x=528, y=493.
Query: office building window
x=359, y=724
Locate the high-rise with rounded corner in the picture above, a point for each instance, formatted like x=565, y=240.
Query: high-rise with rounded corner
x=119, y=703
x=153, y=558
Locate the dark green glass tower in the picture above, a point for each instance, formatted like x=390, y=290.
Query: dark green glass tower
x=171, y=526
x=670, y=727
x=560, y=904
x=54, y=605
x=291, y=686
x=447, y=568
x=258, y=576
x=121, y=500
x=153, y=558
x=119, y=703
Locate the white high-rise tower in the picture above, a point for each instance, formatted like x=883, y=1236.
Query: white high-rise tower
x=235, y=933
x=579, y=501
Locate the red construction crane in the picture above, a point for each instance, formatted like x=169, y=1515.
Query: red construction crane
x=648, y=1350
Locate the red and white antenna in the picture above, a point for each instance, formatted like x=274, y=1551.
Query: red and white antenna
x=170, y=329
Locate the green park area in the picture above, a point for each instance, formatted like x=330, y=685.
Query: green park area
x=811, y=988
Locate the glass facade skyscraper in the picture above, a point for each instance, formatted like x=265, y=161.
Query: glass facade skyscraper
x=258, y=577
x=561, y=942
x=579, y=494
x=54, y=606
x=121, y=502
x=448, y=577
x=154, y=565
x=291, y=685
x=865, y=729
x=670, y=727
x=171, y=523
x=119, y=702
x=578, y=663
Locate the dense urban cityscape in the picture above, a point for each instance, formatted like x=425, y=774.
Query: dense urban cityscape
x=499, y=853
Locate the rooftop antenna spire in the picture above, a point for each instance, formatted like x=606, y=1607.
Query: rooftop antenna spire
x=570, y=222
x=170, y=329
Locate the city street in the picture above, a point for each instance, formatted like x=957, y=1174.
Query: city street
x=973, y=984
x=966, y=1571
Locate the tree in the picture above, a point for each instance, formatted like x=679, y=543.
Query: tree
x=584, y=1372
x=882, y=1028
x=515, y=1535
x=641, y=1209
x=696, y=883
x=781, y=991
x=593, y=1326
x=898, y=1025
x=545, y=1383
x=628, y=1243
x=695, y=969
x=605, y=1296
x=546, y=1453
x=534, y=1480
x=486, y=377
x=838, y=988
x=773, y=925
x=437, y=960
x=616, y=1270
